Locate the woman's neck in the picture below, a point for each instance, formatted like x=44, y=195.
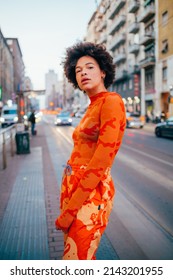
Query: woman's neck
x=93, y=92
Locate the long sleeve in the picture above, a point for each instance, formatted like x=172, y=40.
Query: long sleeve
x=112, y=127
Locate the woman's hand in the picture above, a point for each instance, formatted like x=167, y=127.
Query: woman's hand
x=60, y=228
x=63, y=222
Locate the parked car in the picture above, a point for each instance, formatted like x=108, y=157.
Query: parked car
x=165, y=129
x=63, y=118
x=134, y=120
x=9, y=115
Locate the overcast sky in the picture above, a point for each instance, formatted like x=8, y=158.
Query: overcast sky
x=44, y=29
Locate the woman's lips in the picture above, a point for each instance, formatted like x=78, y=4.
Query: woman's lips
x=84, y=81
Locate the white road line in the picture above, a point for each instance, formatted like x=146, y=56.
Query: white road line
x=141, y=168
x=66, y=138
x=147, y=155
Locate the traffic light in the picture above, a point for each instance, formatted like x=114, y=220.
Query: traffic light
x=0, y=93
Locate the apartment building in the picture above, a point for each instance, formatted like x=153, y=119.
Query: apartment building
x=18, y=64
x=51, y=87
x=165, y=56
x=148, y=40
x=6, y=71
x=123, y=43
x=115, y=25
x=132, y=31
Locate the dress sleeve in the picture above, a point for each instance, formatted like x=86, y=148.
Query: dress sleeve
x=112, y=127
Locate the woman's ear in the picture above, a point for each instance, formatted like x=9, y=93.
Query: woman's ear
x=103, y=75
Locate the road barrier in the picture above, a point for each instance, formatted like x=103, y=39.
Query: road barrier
x=7, y=141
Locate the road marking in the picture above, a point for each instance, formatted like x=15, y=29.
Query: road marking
x=141, y=168
x=147, y=155
x=66, y=138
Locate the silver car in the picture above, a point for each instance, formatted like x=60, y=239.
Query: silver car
x=134, y=120
x=63, y=118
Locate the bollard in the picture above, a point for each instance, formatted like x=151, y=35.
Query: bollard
x=11, y=143
x=4, y=159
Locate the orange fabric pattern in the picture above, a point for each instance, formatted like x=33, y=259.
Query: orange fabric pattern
x=87, y=189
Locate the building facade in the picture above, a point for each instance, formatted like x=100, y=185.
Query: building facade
x=51, y=89
x=6, y=71
x=19, y=67
x=165, y=56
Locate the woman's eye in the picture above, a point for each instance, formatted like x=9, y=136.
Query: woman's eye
x=78, y=71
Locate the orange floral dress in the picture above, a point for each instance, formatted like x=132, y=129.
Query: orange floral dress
x=87, y=189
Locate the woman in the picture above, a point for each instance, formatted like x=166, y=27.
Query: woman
x=87, y=189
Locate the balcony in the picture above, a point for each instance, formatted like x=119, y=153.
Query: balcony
x=115, y=8
x=133, y=69
x=134, y=48
x=102, y=25
x=148, y=38
x=147, y=2
x=148, y=61
x=121, y=57
x=134, y=27
x=117, y=24
x=103, y=38
x=121, y=75
x=133, y=6
x=148, y=13
x=118, y=41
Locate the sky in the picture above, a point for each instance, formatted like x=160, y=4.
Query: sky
x=44, y=29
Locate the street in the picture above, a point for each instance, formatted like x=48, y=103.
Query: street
x=141, y=223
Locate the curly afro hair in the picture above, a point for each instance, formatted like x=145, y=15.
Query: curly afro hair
x=98, y=52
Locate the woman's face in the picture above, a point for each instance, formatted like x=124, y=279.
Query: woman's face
x=89, y=76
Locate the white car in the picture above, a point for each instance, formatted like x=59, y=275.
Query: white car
x=9, y=115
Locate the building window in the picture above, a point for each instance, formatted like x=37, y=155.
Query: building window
x=164, y=73
x=149, y=78
x=150, y=51
x=165, y=46
x=165, y=18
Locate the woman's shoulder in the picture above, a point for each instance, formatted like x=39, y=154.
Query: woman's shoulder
x=113, y=96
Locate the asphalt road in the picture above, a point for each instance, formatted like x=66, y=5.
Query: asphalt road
x=141, y=224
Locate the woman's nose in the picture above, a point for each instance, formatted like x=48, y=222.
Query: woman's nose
x=83, y=72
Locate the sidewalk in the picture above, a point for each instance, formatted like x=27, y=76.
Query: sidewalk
x=29, y=205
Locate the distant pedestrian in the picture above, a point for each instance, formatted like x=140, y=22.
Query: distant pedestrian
x=162, y=116
x=32, y=120
x=87, y=190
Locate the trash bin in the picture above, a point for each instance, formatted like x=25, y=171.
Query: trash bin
x=22, y=142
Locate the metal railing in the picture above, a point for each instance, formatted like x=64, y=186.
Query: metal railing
x=7, y=141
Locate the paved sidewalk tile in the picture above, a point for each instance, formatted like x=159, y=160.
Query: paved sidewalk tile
x=23, y=232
